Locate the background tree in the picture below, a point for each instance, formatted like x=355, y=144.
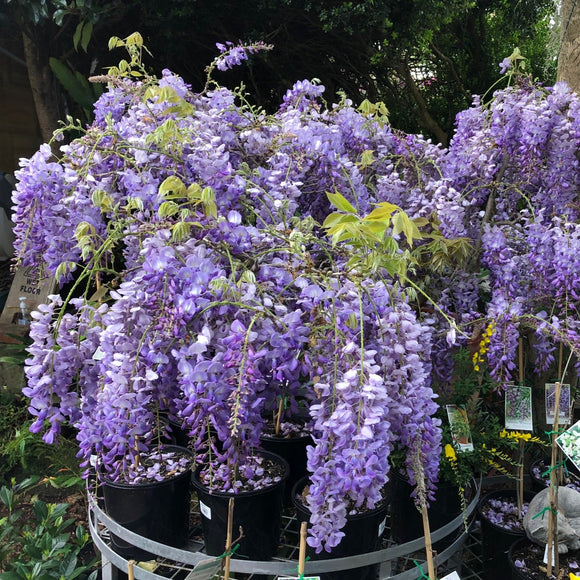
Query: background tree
x=423, y=58
x=569, y=57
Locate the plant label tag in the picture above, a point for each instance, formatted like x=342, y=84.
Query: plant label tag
x=382, y=527
x=205, y=510
x=546, y=556
x=563, y=407
x=569, y=442
x=205, y=570
x=453, y=576
x=518, y=408
x=459, y=425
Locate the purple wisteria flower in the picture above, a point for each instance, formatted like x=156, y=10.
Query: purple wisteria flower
x=233, y=55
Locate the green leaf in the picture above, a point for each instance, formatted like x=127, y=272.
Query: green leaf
x=58, y=16
x=332, y=219
x=115, y=42
x=86, y=35
x=172, y=188
x=180, y=231
x=402, y=223
x=6, y=496
x=40, y=510
x=68, y=565
x=383, y=211
x=80, y=93
x=338, y=201
x=167, y=209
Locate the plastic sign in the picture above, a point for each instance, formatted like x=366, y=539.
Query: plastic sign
x=205, y=570
x=453, y=576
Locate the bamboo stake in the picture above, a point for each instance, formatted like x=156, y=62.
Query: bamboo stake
x=520, y=494
x=520, y=476
x=279, y=417
x=229, y=538
x=130, y=573
x=302, y=549
x=428, y=544
x=552, y=552
x=136, y=452
x=559, y=456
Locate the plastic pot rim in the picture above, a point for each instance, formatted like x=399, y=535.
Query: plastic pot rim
x=199, y=485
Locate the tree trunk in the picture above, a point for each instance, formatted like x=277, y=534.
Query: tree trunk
x=569, y=58
x=43, y=86
x=425, y=117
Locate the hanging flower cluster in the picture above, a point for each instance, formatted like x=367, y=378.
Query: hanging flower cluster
x=214, y=258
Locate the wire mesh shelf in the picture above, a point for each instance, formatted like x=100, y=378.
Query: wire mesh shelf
x=397, y=561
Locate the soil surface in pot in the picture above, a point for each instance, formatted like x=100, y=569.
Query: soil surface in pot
x=540, y=471
x=259, y=473
x=503, y=512
x=529, y=560
x=288, y=430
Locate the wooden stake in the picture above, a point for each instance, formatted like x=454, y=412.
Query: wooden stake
x=130, y=573
x=229, y=538
x=136, y=452
x=521, y=360
x=279, y=417
x=520, y=493
x=302, y=549
x=552, y=517
x=428, y=544
x=520, y=476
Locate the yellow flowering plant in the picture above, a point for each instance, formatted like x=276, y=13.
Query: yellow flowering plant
x=494, y=448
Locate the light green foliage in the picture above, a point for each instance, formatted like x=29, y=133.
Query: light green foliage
x=388, y=238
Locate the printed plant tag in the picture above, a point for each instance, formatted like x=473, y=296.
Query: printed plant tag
x=564, y=407
x=453, y=576
x=205, y=510
x=569, y=442
x=205, y=570
x=518, y=408
x=459, y=425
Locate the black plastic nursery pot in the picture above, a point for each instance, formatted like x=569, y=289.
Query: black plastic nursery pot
x=406, y=520
x=536, y=469
x=293, y=450
x=527, y=561
x=258, y=513
x=495, y=540
x=362, y=534
x=516, y=573
x=157, y=510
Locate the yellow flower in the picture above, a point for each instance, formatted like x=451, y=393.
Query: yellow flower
x=517, y=435
x=574, y=576
x=450, y=452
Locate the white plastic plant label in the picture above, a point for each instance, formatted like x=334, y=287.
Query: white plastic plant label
x=205, y=570
x=564, y=406
x=518, y=408
x=546, y=556
x=382, y=527
x=453, y=576
x=205, y=510
x=569, y=442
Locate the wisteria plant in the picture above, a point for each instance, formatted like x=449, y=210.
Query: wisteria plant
x=213, y=258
